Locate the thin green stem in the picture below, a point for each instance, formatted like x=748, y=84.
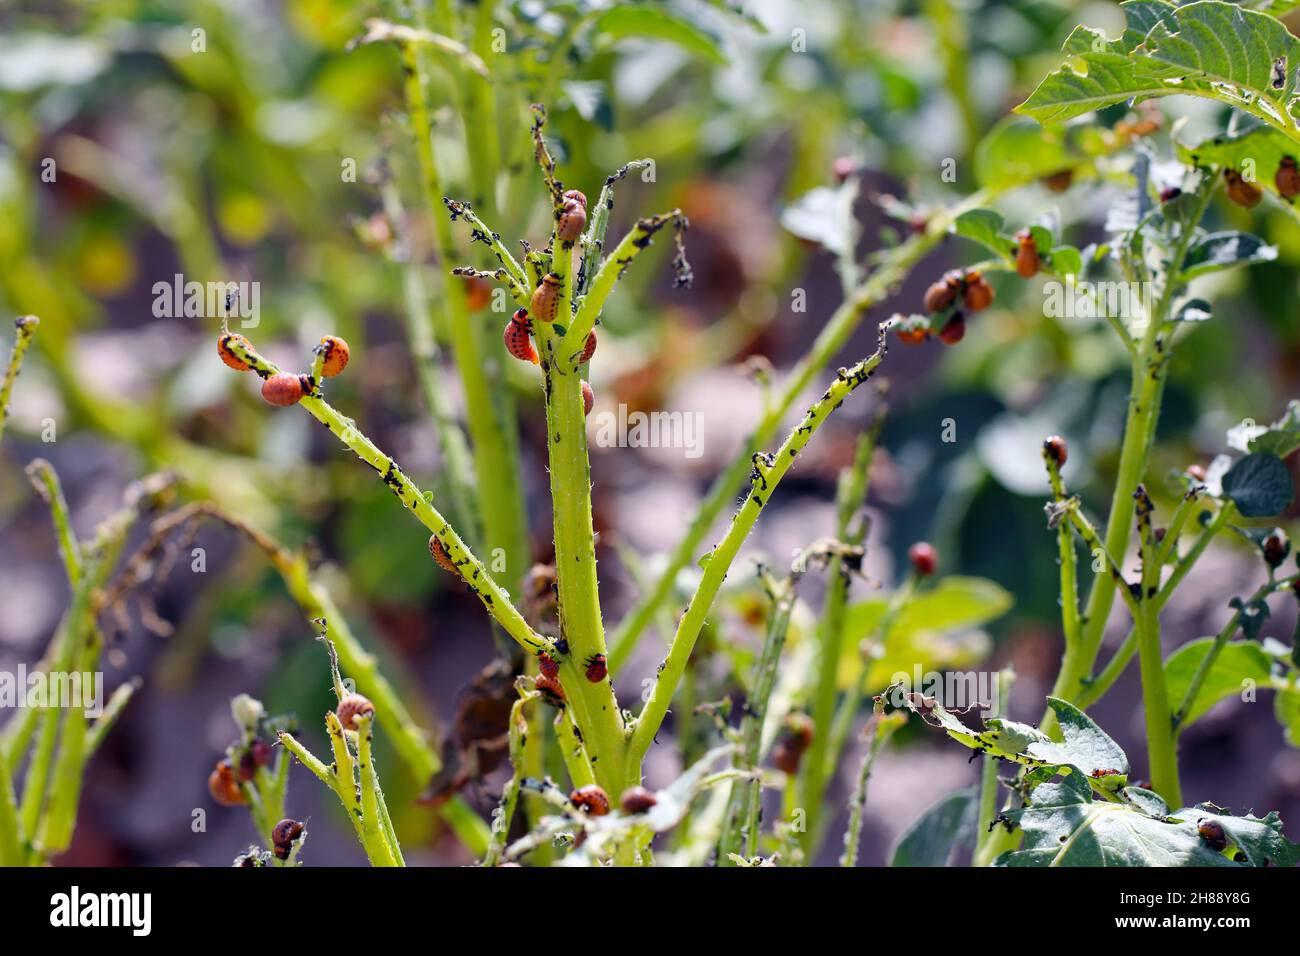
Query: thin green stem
x=380, y=841
x=767, y=473
x=879, y=731
x=852, y=494
x=891, y=268
x=117, y=702
x=24, y=328
x=477, y=578
x=741, y=825
x=988, y=792
x=488, y=408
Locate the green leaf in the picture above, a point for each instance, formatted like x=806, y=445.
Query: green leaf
x=659, y=23
x=1286, y=708
x=1223, y=250
x=1259, y=485
x=1018, y=150
x=1065, y=261
x=1237, y=662
x=1065, y=826
x=932, y=840
x=986, y=227
x=1211, y=49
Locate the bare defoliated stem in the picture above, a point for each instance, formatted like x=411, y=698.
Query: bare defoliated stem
x=892, y=267
x=476, y=576
x=24, y=329
x=767, y=474
x=741, y=821
x=878, y=731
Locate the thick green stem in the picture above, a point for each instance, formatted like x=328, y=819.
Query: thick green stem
x=596, y=709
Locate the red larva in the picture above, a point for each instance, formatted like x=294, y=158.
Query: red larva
x=516, y=337
x=588, y=399
x=591, y=798
x=285, y=389
x=440, y=555
x=597, y=668
x=571, y=221
x=1056, y=449
x=228, y=356
x=283, y=836
x=954, y=330
x=546, y=298
x=548, y=665
x=589, y=349
x=924, y=558
x=550, y=688
x=1287, y=178
x=335, y=355
x=224, y=787
x=351, y=707
x=637, y=800
x=1028, y=261
x=577, y=196
x=978, y=294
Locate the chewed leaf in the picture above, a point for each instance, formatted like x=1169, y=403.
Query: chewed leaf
x=1004, y=739
x=1066, y=826
x=1211, y=49
x=1085, y=746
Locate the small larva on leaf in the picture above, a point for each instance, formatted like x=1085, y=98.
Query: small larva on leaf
x=588, y=399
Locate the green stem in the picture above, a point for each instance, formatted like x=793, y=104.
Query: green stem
x=488, y=412
x=597, y=710
x=117, y=702
x=458, y=465
x=1162, y=755
x=476, y=576
x=767, y=474
x=46, y=482
x=852, y=494
x=881, y=729
x=24, y=328
x=988, y=793
x=381, y=844
x=741, y=825
x=892, y=267
x=11, y=834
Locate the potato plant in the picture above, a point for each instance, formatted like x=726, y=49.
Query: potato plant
x=757, y=729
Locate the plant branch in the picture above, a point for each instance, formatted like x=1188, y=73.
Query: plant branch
x=24, y=329
x=767, y=474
